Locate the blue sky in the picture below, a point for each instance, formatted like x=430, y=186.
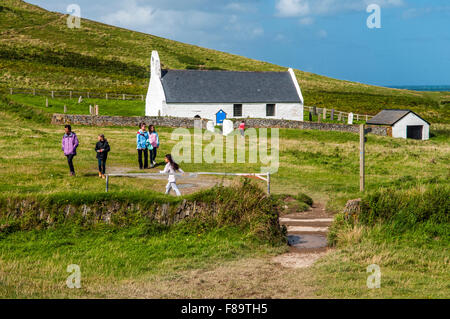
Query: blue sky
x=328, y=37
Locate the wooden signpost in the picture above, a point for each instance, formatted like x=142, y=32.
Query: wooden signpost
x=362, y=142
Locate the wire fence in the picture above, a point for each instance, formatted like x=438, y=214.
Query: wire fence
x=74, y=94
x=332, y=114
x=315, y=111
x=262, y=176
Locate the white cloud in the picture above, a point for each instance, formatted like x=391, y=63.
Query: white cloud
x=240, y=7
x=412, y=13
x=292, y=8
x=258, y=31
x=305, y=8
x=198, y=25
x=307, y=21
x=185, y=25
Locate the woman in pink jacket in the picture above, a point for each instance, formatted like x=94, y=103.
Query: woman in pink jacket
x=69, y=147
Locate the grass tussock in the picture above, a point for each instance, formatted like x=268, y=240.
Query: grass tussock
x=406, y=232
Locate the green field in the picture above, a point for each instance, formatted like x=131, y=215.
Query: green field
x=404, y=226
x=322, y=164
x=37, y=50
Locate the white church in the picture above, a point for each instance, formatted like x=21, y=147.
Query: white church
x=219, y=95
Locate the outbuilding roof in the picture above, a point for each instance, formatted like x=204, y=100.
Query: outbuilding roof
x=390, y=117
x=212, y=86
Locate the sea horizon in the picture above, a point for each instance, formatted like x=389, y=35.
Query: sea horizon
x=431, y=88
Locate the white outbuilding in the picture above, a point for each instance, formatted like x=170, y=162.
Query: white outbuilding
x=404, y=124
x=219, y=95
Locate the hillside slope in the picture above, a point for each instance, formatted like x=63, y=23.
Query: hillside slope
x=38, y=50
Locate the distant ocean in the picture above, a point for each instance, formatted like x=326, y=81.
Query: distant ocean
x=434, y=88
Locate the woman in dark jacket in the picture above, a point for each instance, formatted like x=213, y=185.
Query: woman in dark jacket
x=102, y=148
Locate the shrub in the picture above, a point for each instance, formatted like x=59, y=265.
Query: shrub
x=253, y=211
x=301, y=197
x=407, y=207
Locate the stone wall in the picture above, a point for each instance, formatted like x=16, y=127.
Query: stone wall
x=60, y=119
x=129, y=121
x=269, y=123
x=30, y=213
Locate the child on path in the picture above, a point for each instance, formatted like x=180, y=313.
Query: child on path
x=171, y=168
x=154, y=141
x=102, y=148
x=69, y=147
x=142, y=146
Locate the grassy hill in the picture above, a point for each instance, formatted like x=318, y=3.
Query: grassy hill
x=38, y=50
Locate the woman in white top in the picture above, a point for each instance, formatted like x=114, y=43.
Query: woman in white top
x=171, y=168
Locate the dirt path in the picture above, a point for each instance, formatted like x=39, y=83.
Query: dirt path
x=307, y=236
x=186, y=184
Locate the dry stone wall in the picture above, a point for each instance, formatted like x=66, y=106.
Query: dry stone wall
x=61, y=119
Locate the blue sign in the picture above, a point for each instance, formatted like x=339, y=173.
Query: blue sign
x=220, y=116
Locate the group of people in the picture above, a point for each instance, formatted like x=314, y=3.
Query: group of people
x=70, y=144
x=146, y=143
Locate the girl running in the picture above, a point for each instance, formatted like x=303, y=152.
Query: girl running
x=171, y=168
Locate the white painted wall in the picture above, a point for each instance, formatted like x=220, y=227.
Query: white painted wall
x=399, y=129
x=286, y=111
x=297, y=86
x=155, y=101
x=155, y=104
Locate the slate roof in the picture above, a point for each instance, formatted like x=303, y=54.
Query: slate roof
x=390, y=117
x=211, y=86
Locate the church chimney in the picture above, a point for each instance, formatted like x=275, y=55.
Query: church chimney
x=155, y=65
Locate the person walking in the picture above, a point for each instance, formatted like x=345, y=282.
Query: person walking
x=69, y=146
x=242, y=128
x=154, y=142
x=142, y=146
x=102, y=148
x=171, y=168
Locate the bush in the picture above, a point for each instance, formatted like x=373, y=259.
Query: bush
x=301, y=197
x=407, y=207
x=253, y=211
x=421, y=214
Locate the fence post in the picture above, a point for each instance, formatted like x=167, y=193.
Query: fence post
x=53, y=94
x=268, y=183
x=107, y=183
x=11, y=91
x=70, y=94
x=324, y=113
x=362, y=140
x=106, y=95
x=142, y=97
x=367, y=118
x=332, y=114
x=96, y=110
x=123, y=97
x=87, y=94
x=46, y=102
x=34, y=91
